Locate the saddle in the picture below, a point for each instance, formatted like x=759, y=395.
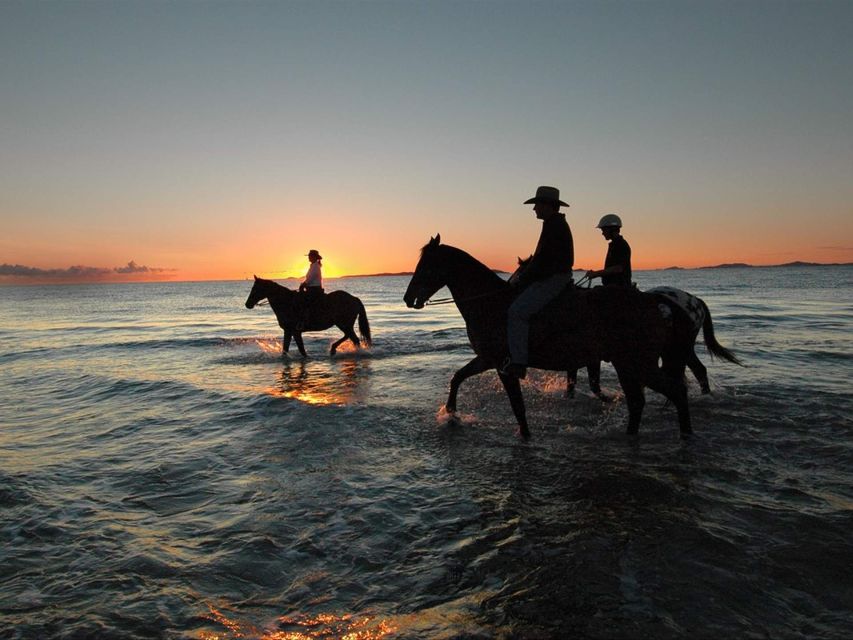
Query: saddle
x=575, y=308
x=618, y=319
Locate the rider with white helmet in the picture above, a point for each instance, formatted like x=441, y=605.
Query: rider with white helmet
x=617, y=264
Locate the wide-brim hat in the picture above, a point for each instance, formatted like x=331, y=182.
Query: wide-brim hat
x=547, y=194
x=314, y=252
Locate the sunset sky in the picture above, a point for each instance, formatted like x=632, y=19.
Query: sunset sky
x=214, y=140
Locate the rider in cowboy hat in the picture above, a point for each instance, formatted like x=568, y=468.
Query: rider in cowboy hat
x=547, y=274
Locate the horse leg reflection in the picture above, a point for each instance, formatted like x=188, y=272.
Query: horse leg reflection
x=299, y=344
x=513, y=390
x=477, y=365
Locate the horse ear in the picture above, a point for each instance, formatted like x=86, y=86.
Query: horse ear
x=519, y=259
x=436, y=240
x=256, y=277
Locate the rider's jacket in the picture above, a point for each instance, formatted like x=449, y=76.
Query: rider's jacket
x=555, y=251
x=618, y=252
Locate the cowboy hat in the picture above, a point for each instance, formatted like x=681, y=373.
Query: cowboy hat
x=314, y=252
x=547, y=194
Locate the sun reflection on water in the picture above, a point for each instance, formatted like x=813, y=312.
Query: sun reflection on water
x=319, y=383
x=322, y=626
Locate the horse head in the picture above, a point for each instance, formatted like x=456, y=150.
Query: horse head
x=522, y=265
x=430, y=275
x=260, y=290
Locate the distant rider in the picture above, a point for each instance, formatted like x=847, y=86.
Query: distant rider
x=617, y=264
x=547, y=274
x=311, y=289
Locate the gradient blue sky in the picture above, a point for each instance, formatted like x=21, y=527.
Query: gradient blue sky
x=220, y=139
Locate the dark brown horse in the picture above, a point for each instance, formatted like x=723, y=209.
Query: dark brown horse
x=337, y=308
x=582, y=326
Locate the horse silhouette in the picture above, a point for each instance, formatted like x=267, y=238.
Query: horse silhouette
x=700, y=318
x=625, y=328
x=337, y=308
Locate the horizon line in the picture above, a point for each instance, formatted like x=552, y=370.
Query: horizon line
x=729, y=265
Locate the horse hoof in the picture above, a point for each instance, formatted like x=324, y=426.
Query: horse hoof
x=524, y=434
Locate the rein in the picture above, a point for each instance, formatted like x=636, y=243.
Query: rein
x=583, y=280
x=432, y=303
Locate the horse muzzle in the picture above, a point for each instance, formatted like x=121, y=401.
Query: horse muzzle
x=413, y=302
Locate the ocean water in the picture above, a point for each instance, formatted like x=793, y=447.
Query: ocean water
x=166, y=473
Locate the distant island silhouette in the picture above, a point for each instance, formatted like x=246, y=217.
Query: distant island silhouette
x=797, y=263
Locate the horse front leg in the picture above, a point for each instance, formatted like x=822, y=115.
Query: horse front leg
x=593, y=373
x=297, y=336
x=285, y=343
x=571, y=381
x=635, y=398
x=476, y=366
x=513, y=390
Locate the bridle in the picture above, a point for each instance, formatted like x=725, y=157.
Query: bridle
x=432, y=303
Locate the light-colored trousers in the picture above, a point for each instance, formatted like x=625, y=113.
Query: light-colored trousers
x=531, y=300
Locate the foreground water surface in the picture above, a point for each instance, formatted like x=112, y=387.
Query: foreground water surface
x=166, y=473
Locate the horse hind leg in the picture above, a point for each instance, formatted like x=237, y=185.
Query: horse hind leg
x=334, y=348
x=699, y=371
x=349, y=334
x=674, y=390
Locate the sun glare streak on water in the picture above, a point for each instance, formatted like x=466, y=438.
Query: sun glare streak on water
x=322, y=626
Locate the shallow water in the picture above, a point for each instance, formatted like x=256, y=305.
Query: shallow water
x=166, y=473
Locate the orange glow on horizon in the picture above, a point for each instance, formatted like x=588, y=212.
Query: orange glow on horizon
x=261, y=246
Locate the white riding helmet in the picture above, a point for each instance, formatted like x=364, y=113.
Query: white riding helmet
x=610, y=220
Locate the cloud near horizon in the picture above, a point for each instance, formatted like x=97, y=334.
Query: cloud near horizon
x=80, y=272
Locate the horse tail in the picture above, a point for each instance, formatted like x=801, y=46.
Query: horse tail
x=714, y=347
x=363, y=324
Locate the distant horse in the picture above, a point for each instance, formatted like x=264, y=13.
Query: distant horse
x=337, y=308
x=582, y=326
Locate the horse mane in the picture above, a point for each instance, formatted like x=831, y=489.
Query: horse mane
x=277, y=288
x=453, y=254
